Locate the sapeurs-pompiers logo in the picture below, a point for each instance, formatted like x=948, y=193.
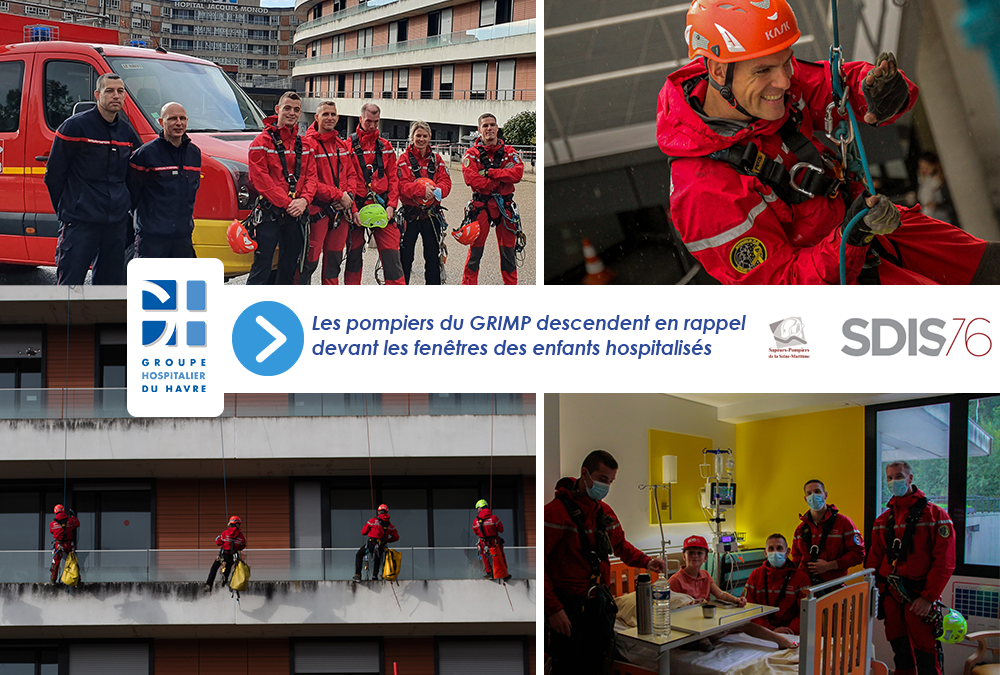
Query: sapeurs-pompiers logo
x=789, y=339
x=170, y=346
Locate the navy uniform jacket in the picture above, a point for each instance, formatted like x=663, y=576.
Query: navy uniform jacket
x=163, y=181
x=88, y=167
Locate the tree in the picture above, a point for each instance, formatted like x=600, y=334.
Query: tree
x=520, y=129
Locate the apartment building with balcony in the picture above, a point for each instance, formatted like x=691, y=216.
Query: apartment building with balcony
x=303, y=471
x=444, y=62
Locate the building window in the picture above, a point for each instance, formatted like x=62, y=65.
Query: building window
x=339, y=43
x=398, y=31
x=29, y=659
x=356, y=92
x=478, y=81
x=317, y=11
x=314, y=49
x=487, y=12
x=447, y=82
x=136, y=24
x=36, y=11
x=370, y=84
x=341, y=85
x=439, y=23
x=403, y=83
x=21, y=365
x=427, y=82
x=4, y=6
x=271, y=65
x=66, y=84
x=147, y=23
x=11, y=84
x=951, y=446
x=386, y=84
x=147, y=9
x=111, y=374
x=462, y=656
x=504, y=11
x=342, y=656
x=365, y=38
x=505, y=79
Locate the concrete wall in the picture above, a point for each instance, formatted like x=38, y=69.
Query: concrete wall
x=375, y=15
x=267, y=609
x=620, y=423
x=267, y=438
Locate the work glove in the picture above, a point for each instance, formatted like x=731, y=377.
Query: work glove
x=885, y=90
x=881, y=219
x=485, y=173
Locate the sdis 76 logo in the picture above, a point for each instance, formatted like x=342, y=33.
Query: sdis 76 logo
x=886, y=337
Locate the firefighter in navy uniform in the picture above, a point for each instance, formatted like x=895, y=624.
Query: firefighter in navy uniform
x=492, y=168
x=826, y=542
x=86, y=174
x=164, y=178
x=423, y=182
x=912, y=550
x=380, y=532
x=581, y=531
x=283, y=171
x=63, y=530
x=376, y=164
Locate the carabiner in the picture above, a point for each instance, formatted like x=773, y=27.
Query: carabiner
x=797, y=168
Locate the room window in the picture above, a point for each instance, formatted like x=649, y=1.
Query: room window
x=952, y=445
x=386, y=84
x=370, y=84
x=398, y=31
x=356, y=92
x=359, y=657
x=487, y=12
x=447, y=82
x=439, y=23
x=457, y=657
x=365, y=38
x=402, y=86
x=339, y=43
x=427, y=82
x=478, y=81
x=505, y=79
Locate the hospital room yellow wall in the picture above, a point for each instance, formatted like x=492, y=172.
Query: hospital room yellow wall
x=775, y=457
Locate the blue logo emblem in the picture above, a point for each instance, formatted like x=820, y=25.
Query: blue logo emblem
x=160, y=295
x=268, y=338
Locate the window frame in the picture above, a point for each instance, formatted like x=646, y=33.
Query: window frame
x=958, y=455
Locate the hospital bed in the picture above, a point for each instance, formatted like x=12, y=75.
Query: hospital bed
x=835, y=639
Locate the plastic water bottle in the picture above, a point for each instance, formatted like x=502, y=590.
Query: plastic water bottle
x=661, y=607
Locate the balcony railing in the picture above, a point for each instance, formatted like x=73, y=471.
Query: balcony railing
x=301, y=564
x=503, y=30
x=344, y=13
x=110, y=403
x=325, y=92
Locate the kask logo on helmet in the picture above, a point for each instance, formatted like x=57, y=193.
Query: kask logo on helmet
x=775, y=32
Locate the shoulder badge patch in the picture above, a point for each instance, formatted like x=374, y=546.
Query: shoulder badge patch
x=857, y=539
x=944, y=531
x=465, y=161
x=747, y=253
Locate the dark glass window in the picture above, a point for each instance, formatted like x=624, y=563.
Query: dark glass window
x=349, y=510
x=11, y=83
x=505, y=11
x=43, y=661
x=66, y=84
x=433, y=24
x=427, y=82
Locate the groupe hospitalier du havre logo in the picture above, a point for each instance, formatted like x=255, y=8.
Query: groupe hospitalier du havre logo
x=160, y=298
x=789, y=339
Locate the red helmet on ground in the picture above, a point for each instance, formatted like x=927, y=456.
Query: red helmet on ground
x=467, y=233
x=59, y=508
x=695, y=541
x=235, y=520
x=738, y=30
x=239, y=238
x=425, y=182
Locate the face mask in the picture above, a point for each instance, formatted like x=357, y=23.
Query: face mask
x=898, y=488
x=598, y=490
x=816, y=502
x=776, y=558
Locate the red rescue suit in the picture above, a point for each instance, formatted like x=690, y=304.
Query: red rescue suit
x=63, y=530
x=743, y=233
x=842, y=544
x=924, y=571
x=336, y=174
x=416, y=216
x=779, y=587
x=488, y=528
x=231, y=540
x=504, y=168
x=381, y=181
x=567, y=569
x=376, y=528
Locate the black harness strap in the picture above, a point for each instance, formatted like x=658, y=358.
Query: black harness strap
x=279, y=146
x=415, y=166
x=494, y=162
x=825, y=527
x=576, y=514
x=897, y=550
x=336, y=172
x=379, y=167
x=784, y=589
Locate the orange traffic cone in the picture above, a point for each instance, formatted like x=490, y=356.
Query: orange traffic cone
x=597, y=273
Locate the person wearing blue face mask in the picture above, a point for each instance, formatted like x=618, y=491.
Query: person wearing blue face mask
x=913, y=555
x=777, y=583
x=581, y=531
x=826, y=543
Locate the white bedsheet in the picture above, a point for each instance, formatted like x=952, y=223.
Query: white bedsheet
x=735, y=654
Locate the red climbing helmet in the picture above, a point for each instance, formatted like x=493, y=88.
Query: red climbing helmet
x=235, y=520
x=59, y=508
x=425, y=183
x=382, y=508
x=738, y=30
x=239, y=239
x=467, y=233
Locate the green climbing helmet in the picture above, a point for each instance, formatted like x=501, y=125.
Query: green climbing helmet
x=481, y=504
x=373, y=215
x=954, y=626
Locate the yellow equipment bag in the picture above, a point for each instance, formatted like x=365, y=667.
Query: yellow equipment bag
x=390, y=570
x=71, y=572
x=241, y=576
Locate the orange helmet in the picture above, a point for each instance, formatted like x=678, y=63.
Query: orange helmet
x=59, y=508
x=239, y=238
x=235, y=520
x=467, y=233
x=425, y=182
x=738, y=30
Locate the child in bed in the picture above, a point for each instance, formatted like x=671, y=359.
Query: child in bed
x=698, y=583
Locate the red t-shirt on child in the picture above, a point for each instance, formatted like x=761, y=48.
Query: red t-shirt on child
x=699, y=588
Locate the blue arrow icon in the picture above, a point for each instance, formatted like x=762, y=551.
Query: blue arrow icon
x=268, y=338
